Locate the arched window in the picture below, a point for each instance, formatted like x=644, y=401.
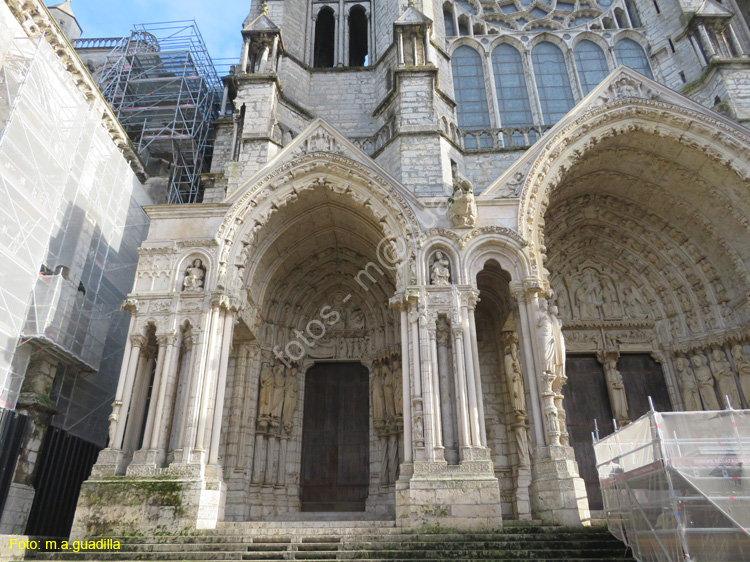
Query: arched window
x=631, y=54
x=510, y=81
x=450, y=27
x=358, y=37
x=552, y=81
x=471, y=97
x=635, y=17
x=325, y=39
x=591, y=64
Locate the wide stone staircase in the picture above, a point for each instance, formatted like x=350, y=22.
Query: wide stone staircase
x=364, y=541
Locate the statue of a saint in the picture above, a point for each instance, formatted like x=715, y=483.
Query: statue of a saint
x=743, y=370
x=690, y=392
x=547, y=335
x=378, y=400
x=705, y=382
x=291, y=390
x=617, y=391
x=635, y=305
x=194, y=276
x=441, y=273
x=266, y=392
x=515, y=378
x=722, y=372
x=398, y=388
x=277, y=396
x=390, y=409
x=463, y=209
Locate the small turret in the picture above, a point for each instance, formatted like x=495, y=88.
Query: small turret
x=66, y=19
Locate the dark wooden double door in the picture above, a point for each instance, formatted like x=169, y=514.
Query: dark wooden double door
x=335, y=474
x=587, y=399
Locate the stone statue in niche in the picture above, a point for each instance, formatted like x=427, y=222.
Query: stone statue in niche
x=588, y=296
x=378, y=398
x=266, y=395
x=195, y=275
x=440, y=270
x=515, y=378
x=705, y=382
x=690, y=392
x=390, y=407
x=634, y=304
x=291, y=390
x=743, y=370
x=617, y=391
x=277, y=395
x=398, y=390
x=463, y=209
x=722, y=372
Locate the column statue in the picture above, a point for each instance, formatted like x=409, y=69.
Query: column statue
x=378, y=400
x=291, y=390
x=277, y=396
x=266, y=392
x=690, y=392
x=722, y=372
x=742, y=366
x=705, y=382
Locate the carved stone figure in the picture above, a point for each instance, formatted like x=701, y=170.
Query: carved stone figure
x=547, y=335
x=194, y=276
x=356, y=319
x=705, y=382
x=398, y=388
x=617, y=391
x=610, y=305
x=515, y=378
x=266, y=395
x=690, y=392
x=742, y=365
x=559, y=345
x=463, y=209
x=441, y=272
x=388, y=383
x=277, y=396
x=634, y=304
x=722, y=372
x=589, y=296
x=378, y=399
x=291, y=390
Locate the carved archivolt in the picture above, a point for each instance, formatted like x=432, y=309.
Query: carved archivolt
x=572, y=143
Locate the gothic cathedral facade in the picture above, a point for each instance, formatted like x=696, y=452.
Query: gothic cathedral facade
x=440, y=241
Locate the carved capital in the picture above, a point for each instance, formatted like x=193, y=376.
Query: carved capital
x=604, y=356
x=138, y=340
x=166, y=339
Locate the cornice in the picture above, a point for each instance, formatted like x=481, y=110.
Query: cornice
x=36, y=20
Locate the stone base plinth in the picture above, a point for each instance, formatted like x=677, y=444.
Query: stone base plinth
x=558, y=493
x=17, y=508
x=464, y=496
x=164, y=502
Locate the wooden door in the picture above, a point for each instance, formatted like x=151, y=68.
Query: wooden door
x=335, y=473
x=643, y=377
x=586, y=399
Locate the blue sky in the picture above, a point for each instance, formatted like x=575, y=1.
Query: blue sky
x=220, y=22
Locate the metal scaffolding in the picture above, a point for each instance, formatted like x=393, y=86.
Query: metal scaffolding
x=164, y=88
x=676, y=485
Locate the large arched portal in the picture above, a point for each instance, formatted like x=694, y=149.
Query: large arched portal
x=317, y=280
x=649, y=276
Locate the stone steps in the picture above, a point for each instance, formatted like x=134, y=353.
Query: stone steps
x=353, y=541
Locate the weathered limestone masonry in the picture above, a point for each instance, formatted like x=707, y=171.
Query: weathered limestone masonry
x=430, y=253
